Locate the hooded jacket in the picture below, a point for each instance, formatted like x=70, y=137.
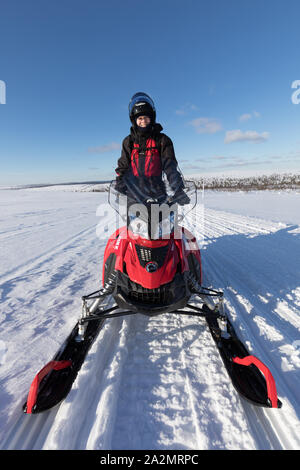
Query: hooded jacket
x=148, y=155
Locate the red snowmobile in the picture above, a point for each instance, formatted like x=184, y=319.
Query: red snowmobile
x=152, y=265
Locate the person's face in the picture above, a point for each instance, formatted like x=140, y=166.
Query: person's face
x=143, y=121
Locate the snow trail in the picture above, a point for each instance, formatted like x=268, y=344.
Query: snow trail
x=147, y=383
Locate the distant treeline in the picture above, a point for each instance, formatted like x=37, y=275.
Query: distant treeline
x=251, y=183
x=222, y=183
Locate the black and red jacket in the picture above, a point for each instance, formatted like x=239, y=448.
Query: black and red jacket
x=148, y=156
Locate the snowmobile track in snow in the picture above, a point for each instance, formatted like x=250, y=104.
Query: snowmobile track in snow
x=153, y=383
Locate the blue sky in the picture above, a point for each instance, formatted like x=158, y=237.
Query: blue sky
x=219, y=71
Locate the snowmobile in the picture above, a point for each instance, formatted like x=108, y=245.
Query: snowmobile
x=152, y=266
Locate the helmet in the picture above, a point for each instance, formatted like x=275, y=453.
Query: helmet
x=141, y=105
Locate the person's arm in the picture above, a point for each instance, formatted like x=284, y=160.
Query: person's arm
x=123, y=165
x=124, y=160
x=169, y=164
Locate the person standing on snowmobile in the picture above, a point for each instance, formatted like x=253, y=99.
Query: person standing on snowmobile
x=147, y=153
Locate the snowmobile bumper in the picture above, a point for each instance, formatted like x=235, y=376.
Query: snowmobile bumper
x=167, y=298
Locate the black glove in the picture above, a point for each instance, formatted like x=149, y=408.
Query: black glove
x=181, y=198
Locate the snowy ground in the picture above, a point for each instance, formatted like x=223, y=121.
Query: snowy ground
x=148, y=383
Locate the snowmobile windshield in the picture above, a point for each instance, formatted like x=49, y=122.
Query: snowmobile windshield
x=152, y=210
x=140, y=99
x=154, y=190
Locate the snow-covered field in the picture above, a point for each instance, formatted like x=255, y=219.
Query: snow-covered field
x=148, y=383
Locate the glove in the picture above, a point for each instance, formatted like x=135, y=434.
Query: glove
x=181, y=198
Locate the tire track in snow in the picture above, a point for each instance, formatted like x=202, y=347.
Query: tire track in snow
x=201, y=440
x=163, y=378
x=46, y=256
x=49, y=430
x=166, y=400
x=266, y=424
x=42, y=305
x=28, y=431
x=93, y=397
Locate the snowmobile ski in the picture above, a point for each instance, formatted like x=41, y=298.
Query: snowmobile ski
x=54, y=381
x=250, y=377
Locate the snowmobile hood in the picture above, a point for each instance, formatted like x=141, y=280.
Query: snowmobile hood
x=151, y=264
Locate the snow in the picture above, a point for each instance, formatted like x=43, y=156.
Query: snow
x=278, y=206
x=148, y=383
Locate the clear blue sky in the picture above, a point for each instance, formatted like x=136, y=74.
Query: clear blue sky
x=219, y=71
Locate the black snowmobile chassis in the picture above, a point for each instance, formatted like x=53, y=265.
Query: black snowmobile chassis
x=250, y=377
